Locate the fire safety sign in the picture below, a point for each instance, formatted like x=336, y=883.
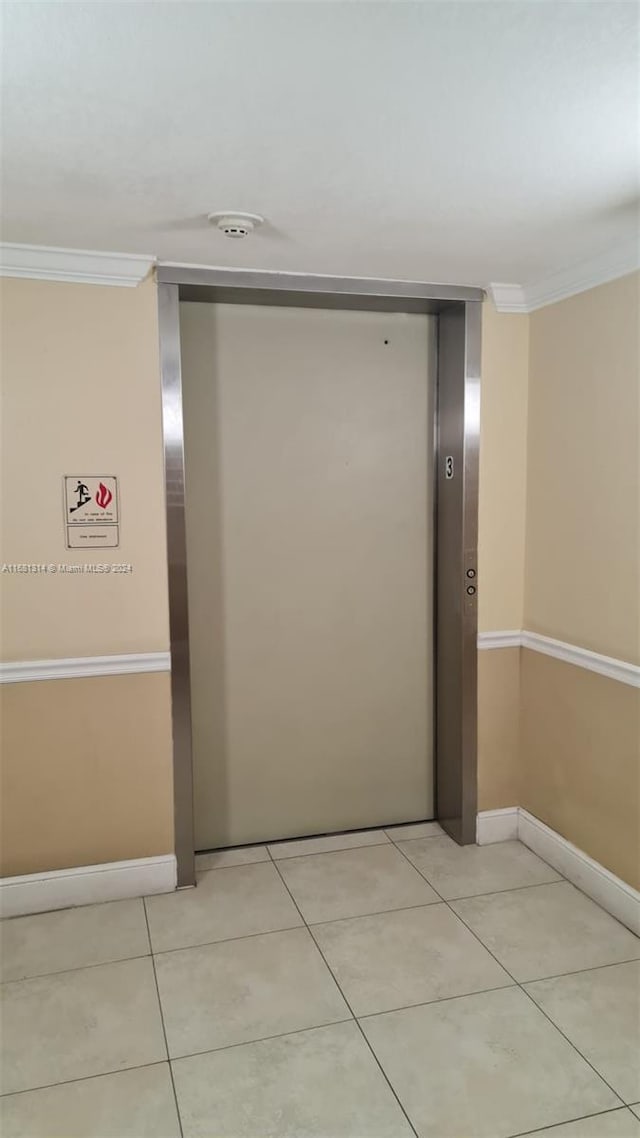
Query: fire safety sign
x=91, y=511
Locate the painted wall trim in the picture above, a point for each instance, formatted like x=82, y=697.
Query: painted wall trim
x=510, y=638
x=509, y=298
x=618, y=898
x=593, y=661
x=19, y=671
x=622, y=901
x=497, y=826
x=78, y=266
x=609, y=666
x=86, y=885
x=614, y=263
x=24, y=671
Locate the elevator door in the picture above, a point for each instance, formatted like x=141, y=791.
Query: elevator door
x=308, y=457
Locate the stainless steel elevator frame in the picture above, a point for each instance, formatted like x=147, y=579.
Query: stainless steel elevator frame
x=457, y=430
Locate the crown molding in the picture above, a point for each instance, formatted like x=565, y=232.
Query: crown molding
x=508, y=297
x=615, y=263
x=75, y=266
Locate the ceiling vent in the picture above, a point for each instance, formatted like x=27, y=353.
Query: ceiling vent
x=235, y=224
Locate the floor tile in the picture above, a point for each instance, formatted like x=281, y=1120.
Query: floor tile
x=75, y=1024
x=245, y=990
x=130, y=1104
x=226, y=903
x=547, y=930
x=323, y=1083
x=72, y=938
x=414, y=830
x=354, y=882
x=303, y=846
x=463, y=871
x=488, y=1065
x=222, y=859
x=613, y=1124
x=406, y=957
x=599, y=1012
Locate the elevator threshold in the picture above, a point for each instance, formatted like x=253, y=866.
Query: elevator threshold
x=317, y=836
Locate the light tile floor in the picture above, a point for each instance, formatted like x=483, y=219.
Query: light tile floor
x=375, y=985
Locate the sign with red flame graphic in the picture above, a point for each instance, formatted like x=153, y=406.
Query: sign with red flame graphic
x=104, y=496
x=91, y=511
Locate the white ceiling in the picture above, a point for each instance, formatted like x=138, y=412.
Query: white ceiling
x=449, y=141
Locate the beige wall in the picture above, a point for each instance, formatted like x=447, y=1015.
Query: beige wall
x=580, y=732
x=580, y=759
x=86, y=763
x=561, y=431
x=86, y=771
x=81, y=395
x=498, y=728
x=582, y=579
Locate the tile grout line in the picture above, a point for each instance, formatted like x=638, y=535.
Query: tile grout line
x=310, y=926
x=510, y=889
x=354, y=1018
x=436, y=1000
x=292, y=857
x=339, y=849
x=260, y=1039
x=568, y=1122
x=289, y=857
x=377, y=913
x=508, y=841
x=387, y=840
x=76, y=968
x=557, y=880
x=483, y=991
x=164, y=1030
x=522, y=988
x=225, y=940
x=579, y=971
x=575, y=1047
x=84, y=1078
x=312, y=837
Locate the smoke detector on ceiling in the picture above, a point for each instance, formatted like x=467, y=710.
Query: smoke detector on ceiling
x=235, y=224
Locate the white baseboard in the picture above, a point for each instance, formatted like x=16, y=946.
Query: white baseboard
x=618, y=898
x=611, y=892
x=86, y=884
x=497, y=826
